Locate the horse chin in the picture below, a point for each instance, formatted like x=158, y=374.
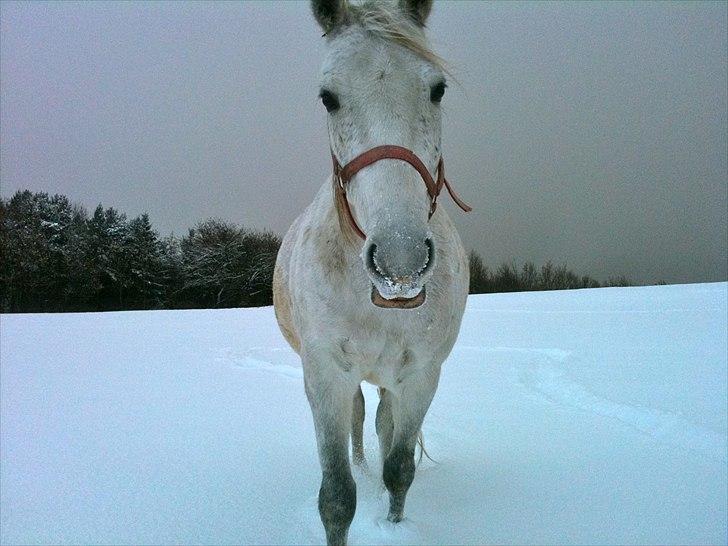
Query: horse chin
x=397, y=302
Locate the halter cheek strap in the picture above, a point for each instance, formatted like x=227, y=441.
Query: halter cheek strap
x=342, y=176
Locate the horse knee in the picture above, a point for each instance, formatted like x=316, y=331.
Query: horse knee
x=337, y=504
x=399, y=471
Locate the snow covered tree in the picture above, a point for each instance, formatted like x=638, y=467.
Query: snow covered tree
x=225, y=266
x=211, y=261
x=42, y=247
x=54, y=257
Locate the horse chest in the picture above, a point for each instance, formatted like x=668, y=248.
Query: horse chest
x=382, y=359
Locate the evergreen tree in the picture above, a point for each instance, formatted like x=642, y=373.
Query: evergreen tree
x=41, y=245
x=107, y=231
x=479, y=275
x=142, y=260
x=170, y=273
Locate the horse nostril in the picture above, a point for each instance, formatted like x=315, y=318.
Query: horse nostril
x=430, y=258
x=371, y=264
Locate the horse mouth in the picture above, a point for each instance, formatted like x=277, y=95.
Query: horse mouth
x=398, y=303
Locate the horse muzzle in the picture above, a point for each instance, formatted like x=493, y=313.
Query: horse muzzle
x=398, y=270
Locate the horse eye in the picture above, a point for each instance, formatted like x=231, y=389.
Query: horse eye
x=437, y=91
x=329, y=100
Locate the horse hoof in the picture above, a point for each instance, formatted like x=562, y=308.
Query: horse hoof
x=395, y=518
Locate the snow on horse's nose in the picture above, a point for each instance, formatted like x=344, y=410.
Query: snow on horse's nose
x=398, y=263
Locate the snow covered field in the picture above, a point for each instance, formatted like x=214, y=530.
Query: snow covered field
x=580, y=417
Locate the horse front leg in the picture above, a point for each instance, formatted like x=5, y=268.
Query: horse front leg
x=357, y=429
x=408, y=404
x=330, y=393
x=384, y=424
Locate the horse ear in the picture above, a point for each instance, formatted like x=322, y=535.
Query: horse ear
x=329, y=13
x=419, y=10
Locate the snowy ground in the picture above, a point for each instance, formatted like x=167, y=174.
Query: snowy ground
x=581, y=417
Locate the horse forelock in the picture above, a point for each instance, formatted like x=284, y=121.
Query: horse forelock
x=387, y=21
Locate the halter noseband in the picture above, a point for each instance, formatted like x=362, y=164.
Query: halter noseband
x=342, y=176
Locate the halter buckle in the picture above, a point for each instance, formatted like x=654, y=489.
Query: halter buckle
x=433, y=206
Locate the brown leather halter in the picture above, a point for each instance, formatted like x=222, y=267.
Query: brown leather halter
x=342, y=176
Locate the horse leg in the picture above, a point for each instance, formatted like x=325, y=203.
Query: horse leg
x=409, y=407
x=357, y=429
x=384, y=424
x=330, y=394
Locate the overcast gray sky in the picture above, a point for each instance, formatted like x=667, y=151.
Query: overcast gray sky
x=591, y=134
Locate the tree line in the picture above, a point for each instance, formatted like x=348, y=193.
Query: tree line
x=508, y=277
x=55, y=256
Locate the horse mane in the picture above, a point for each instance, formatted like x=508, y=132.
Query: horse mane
x=387, y=21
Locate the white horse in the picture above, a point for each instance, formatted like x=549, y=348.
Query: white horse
x=371, y=280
